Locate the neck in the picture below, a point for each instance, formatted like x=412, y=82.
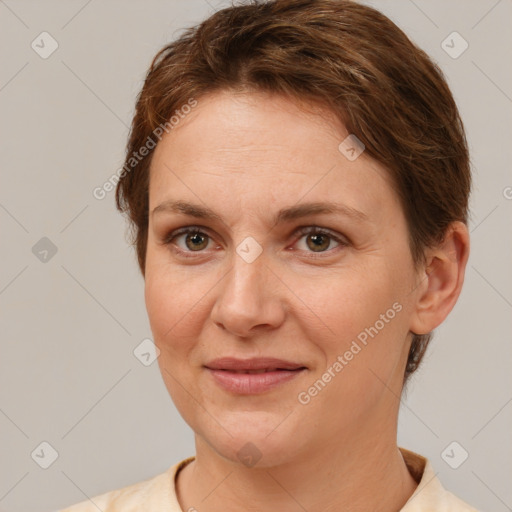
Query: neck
x=364, y=471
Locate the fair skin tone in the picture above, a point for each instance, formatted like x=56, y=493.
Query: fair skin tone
x=247, y=156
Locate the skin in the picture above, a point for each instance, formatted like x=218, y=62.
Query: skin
x=246, y=156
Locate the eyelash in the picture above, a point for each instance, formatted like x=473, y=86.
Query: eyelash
x=306, y=230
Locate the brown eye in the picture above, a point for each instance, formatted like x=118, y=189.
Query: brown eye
x=188, y=240
x=196, y=241
x=318, y=242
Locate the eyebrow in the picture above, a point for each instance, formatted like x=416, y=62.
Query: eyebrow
x=284, y=215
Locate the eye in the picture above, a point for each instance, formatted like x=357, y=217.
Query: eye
x=189, y=239
x=318, y=240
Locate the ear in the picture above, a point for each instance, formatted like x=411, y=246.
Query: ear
x=441, y=280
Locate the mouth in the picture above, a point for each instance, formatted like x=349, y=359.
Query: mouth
x=263, y=370
x=256, y=364
x=252, y=376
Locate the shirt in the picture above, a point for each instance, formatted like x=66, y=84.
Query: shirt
x=158, y=494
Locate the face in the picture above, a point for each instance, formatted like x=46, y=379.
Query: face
x=331, y=293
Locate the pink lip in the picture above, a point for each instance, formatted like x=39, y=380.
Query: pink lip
x=224, y=371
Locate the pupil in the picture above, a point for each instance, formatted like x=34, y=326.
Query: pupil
x=317, y=241
x=196, y=240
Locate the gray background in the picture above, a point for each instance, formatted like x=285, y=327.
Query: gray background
x=69, y=325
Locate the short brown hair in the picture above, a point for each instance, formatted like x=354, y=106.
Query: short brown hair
x=343, y=55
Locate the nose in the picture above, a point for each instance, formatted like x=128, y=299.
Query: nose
x=248, y=300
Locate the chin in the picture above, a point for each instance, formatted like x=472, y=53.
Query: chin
x=254, y=439
x=256, y=453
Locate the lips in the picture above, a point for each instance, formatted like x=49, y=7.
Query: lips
x=265, y=370
x=252, y=376
x=254, y=365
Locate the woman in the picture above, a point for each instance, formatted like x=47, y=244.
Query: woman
x=297, y=179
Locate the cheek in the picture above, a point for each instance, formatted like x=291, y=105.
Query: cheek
x=179, y=303
x=347, y=303
x=173, y=311
x=172, y=303
x=362, y=353
x=363, y=322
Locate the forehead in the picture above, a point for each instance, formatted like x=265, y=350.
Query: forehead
x=263, y=146
x=230, y=121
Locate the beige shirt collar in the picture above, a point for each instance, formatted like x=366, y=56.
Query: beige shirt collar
x=158, y=494
x=430, y=494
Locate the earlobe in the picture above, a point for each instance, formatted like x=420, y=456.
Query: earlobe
x=442, y=279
